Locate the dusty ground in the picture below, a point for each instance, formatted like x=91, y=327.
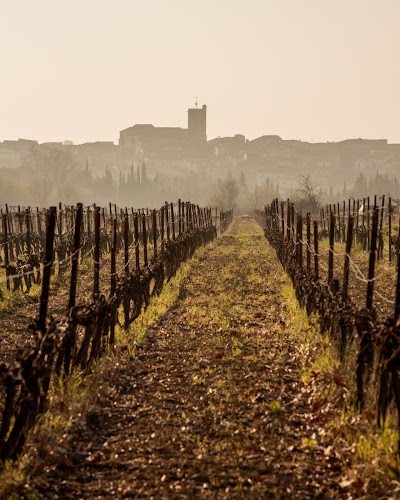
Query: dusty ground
x=215, y=403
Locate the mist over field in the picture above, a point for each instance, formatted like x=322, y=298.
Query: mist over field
x=151, y=164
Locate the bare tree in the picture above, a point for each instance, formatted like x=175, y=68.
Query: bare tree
x=308, y=195
x=53, y=173
x=225, y=194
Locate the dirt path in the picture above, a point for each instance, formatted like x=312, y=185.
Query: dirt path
x=214, y=405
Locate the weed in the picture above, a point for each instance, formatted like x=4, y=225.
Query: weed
x=276, y=408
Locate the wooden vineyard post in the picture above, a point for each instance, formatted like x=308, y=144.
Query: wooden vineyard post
x=283, y=219
x=167, y=220
x=96, y=269
x=136, y=229
x=292, y=220
x=103, y=216
x=196, y=216
x=88, y=228
x=144, y=230
x=162, y=229
x=75, y=256
x=154, y=217
x=368, y=226
x=390, y=229
x=288, y=220
x=299, y=238
x=301, y=241
x=44, y=298
x=180, y=218
x=113, y=274
x=331, y=247
x=113, y=254
x=189, y=220
x=183, y=217
x=349, y=241
x=382, y=213
x=316, y=263
x=38, y=222
x=126, y=246
x=6, y=256
x=70, y=336
x=297, y=241
x=126, y=267
x=28, y=231
x=372, y=258
x=173, y=221
x=363, y=226
x=308, y=243
x=397, y=305
x=398, y=235
x=59, y=218
x=380, y=241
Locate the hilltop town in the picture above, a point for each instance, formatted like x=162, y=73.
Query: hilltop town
x=175, y=150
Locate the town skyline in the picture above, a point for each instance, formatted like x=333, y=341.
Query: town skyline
x=183, y=126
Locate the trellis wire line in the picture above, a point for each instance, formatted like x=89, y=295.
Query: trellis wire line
x=342, y=254
x=60, y=263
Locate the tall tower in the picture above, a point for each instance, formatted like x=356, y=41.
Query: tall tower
x=197, y=123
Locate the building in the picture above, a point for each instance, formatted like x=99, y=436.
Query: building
x=197, y=123
x=148, y=141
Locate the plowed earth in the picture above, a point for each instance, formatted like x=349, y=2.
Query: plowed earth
x=215, y=404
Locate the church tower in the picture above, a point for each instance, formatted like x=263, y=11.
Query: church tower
x=197, y=123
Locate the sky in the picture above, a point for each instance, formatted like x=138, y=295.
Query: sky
x=315, y=70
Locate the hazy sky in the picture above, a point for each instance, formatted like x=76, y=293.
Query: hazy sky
x=309, y=69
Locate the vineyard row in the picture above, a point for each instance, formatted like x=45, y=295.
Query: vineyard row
x=86, y=330
x=352, y=320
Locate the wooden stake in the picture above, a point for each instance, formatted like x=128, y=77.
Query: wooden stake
x=49, y=258
x=372, y=258
x=349, y=242
x=308, y=243
x=96, y=268
x=316, y=256
x=331, y=246
x=144, y=230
